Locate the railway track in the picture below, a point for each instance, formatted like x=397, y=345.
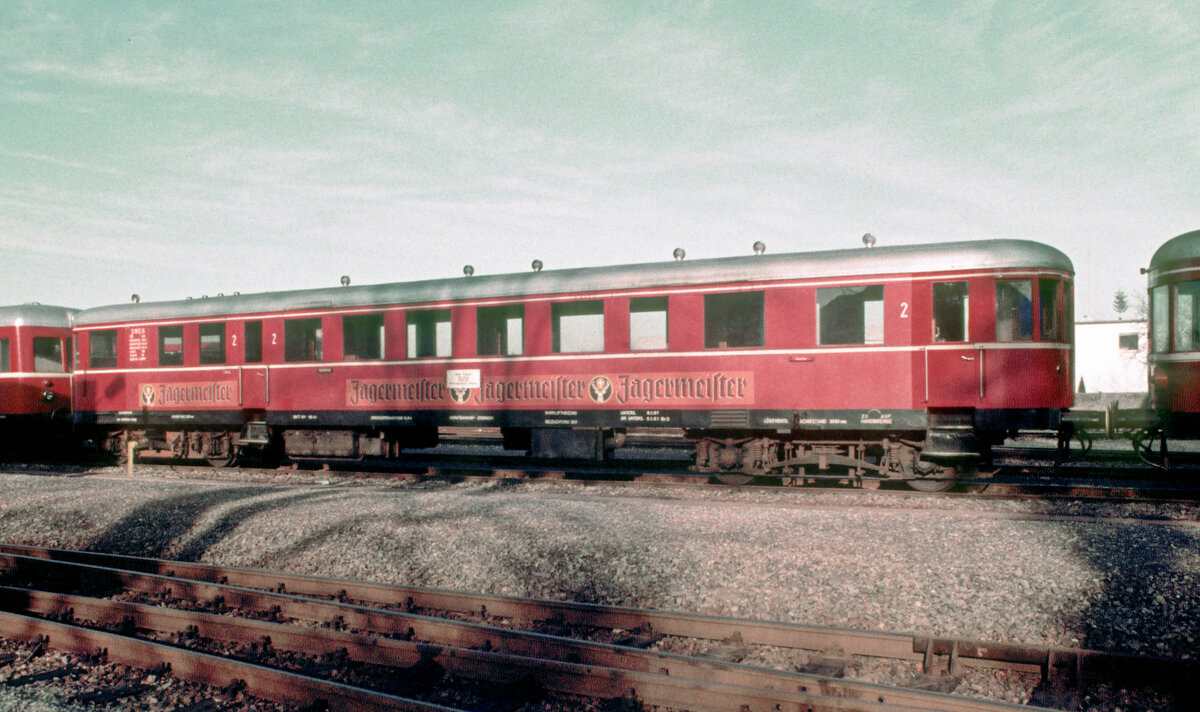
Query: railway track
x=351, y=645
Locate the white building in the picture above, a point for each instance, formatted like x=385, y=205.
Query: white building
x=1111, y=356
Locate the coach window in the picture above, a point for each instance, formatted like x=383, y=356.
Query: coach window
x=1050, y=309
x=302, y=339
x=500, y=331
x=5, y=363
x=1187, y=321
x=212, y=343
x=734, y=320
x=648, y=323
x=47, y=354
x=950, y=309
x=577, y=327
x=1014, y=310
x=362, y=337
x=102, y=349
x=1160, y=319
x=428, y=333
x=253, y=342
x=170, y=346
x=850, y=315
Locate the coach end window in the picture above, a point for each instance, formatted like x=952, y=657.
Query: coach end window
x=577, y=327
x=500, y=331
x=362, y=337
x=950, y=308
x=850, y=315
x=734, y=320
x=5, y=362
x=1014, y=311
x=1050, y=305
x=302, y=339
x=47, y=354
x=1187, y=320
x=648, y=324
x=102, y=349
x=428, y=333
x=212, y=343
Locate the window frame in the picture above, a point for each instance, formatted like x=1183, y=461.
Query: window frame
x=427, y=322
x=206, y=356
x=742, y=314
x=106, y=360
x=59, y=366
x=581, y=326
x=364, y=330
x=650, y=305
x=830, y=336
x=962, y=306
x=1020, y=336
x=493, y=325
x=296, y=336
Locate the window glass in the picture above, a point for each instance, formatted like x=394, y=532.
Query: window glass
x=1160, y=319
x=1014, y=311
x=362, y=337
x=102, y=349
x=302, y=339
x=1127, y=342
x=5, y=363
x=951, y=305
x=428, y=333
x=1187, y=327
x=1050, y=305
x=253, y=342
x=733, y=320
x=500, y=331
x=850, y=315
x=577, y=327
x=170, y=346
x=212, y=343
x=70, y=354
x=648, y=323
x=47, y=354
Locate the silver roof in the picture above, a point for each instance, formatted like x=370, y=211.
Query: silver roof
x=903, y=259
x=1177, y=250
x=36, y=315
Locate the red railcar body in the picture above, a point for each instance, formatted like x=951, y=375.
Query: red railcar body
x=1174, y=291
x=761, y=359
x=35, y=372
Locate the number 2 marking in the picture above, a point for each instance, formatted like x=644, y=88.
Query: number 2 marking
x=903, y=310
x=273, y=337
x=234, y=338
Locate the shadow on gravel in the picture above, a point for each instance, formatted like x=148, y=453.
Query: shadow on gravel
x=1149, y=578
x=149, y=529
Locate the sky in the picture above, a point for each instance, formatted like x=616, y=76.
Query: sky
x=189, y=149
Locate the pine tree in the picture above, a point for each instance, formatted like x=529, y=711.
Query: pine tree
x=1120, y=303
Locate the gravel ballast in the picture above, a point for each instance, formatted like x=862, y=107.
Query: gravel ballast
x=998, y=571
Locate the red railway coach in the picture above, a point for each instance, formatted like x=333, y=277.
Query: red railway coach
x=896, y=362
x=1174, y=284
x=35, y=373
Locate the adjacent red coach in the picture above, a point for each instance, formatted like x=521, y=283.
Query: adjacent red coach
x=1174, y=284
x=893, y=362
x=35, y=373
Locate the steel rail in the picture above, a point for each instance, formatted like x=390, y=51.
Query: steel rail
x=664, y=688
x=260, y=681
x=465, y=634
x=971, y=653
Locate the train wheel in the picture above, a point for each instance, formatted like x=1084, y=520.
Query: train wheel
x=734, y=479
x=932, y=478
x=222, y=461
